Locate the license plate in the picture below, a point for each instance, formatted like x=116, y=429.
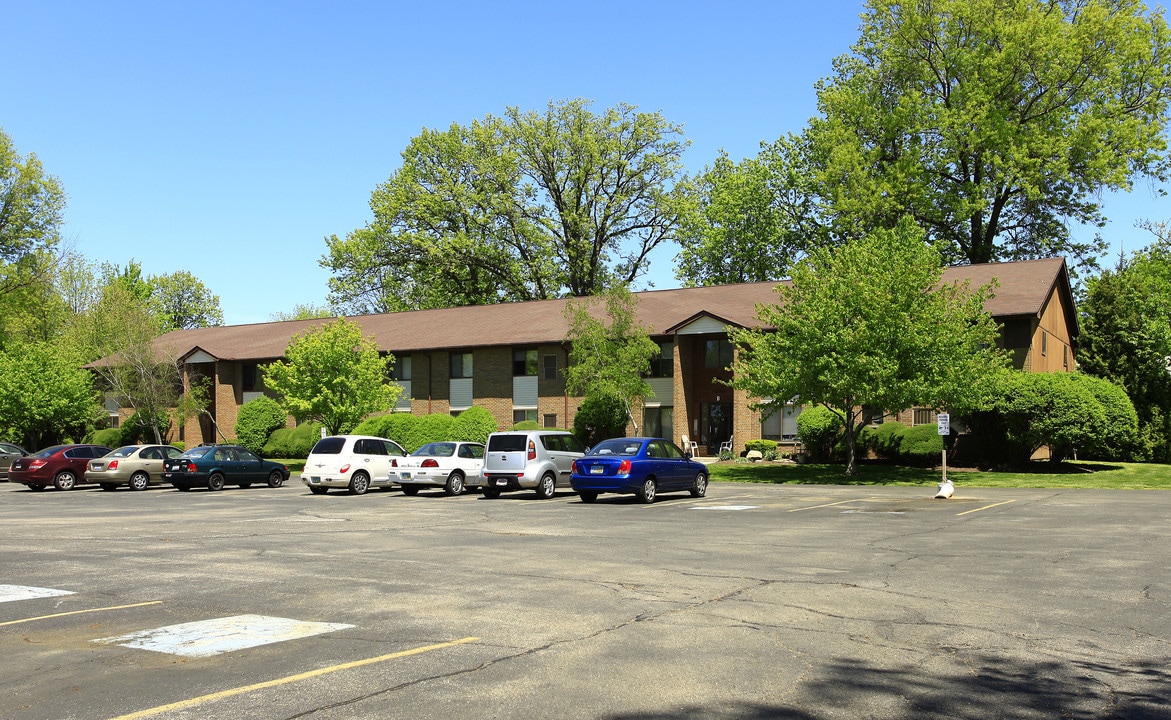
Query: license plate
x=315, y=479
x=404, y=475
x=596, y=470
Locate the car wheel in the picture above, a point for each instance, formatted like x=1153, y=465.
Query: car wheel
x=491, y=492
x=215, y=481
x=318, y=490
x=588, y=497
x=109, y=486
x=139, y=481
x=276, y=478
x=454, y=484
x=647, y=493
x=36, y=487
x=183, y=488
x=699, y=489
x=65, y=480
x=547, y=488
x=359, y=483
x=410, y=489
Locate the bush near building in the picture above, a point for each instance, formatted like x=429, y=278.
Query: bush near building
x=257, y=420
x=292, y=442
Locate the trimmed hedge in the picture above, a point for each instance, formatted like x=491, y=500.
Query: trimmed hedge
x=292, y=443
x=257, y=420
x=474, y=425
x=110, y=437
x=764, y=446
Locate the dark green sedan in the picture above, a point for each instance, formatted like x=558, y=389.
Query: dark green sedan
x=213, y=466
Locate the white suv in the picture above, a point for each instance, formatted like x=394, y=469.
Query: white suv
x=354, y=462
x=540, y=460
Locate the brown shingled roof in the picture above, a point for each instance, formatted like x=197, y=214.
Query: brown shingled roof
x=1024, y=289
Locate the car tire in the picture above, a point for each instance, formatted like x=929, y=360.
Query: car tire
x=276, y=478
x=139, y=481
x=318, y=490
x=454, y=484
x=410, y=489
x=65, y=480
x=35, y=487
x=588, y=497
x=359, y=483
x=648, y=491
x=547, y=488
x=215, y=482
x=109, y=486
x=491, y=492
x=699, y=488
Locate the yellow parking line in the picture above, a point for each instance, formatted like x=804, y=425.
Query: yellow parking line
x=985, y=507
x=80, y=612
x=814, y=507
x=191, y=702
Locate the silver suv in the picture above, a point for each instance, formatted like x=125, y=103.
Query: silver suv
x=540, y=460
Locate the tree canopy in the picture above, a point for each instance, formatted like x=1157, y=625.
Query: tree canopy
x=45, y=395
x=868, y=327
x=531, y=205
x=185, y=302
x=334, y=375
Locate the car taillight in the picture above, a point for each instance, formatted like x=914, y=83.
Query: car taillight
x=393, y=462
x=113, y=465
x=573, y=469
x=344, y=469
x=429, y=462
x=36, y=464
x=192, y=468
x=532, y=450
x=624, y=467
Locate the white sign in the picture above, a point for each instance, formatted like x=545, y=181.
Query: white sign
x=943, y=421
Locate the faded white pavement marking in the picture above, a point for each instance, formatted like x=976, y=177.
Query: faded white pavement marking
x=8, y=593
x=205, y=638
x=727, y=507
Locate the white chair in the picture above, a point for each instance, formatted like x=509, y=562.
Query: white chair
x=726, y=446
x=689, y=446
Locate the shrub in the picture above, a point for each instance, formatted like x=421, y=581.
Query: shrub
x=474, y=425
x=292, y=442
x=888, y=438
x=819, y=428
x=1119, y=439
x=393, y=426
x=278, y=444
x=526, y=425
x=429, y=428
x=764, y=446
x=137, y=430
x=256, y=421
x=110, y=437
x=598, y=418
x=921, y=445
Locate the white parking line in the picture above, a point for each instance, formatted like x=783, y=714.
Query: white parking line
x=206, y=638
x=727, y=507
x=8, y=593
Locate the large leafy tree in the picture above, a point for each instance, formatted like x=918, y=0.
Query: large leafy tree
x=994, y=123
x=531, y=205
x=185, y=301
x=1126, y=336
x=610, y=352
x=869, y=326
x=45, y=395
x=334, y=375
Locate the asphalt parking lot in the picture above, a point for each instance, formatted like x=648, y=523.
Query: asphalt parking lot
x=754, y=602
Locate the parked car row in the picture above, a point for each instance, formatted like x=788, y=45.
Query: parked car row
x=140, y=466
x=539, y=460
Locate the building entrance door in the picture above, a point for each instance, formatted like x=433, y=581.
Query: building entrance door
x=715, y=425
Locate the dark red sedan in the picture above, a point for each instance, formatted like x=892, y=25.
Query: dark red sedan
x=62, y=466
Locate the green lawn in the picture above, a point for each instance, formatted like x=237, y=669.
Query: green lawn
x=1099, y=475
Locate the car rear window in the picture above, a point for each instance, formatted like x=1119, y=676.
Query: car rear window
x=328, y=446
x=507, y=443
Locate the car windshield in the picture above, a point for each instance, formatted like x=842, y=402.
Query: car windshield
x=196, y=452
x=621, y=447
x=436, y=449
x=124, y=452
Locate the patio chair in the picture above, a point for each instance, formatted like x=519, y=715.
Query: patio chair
x=726, y=446
x=689, y=446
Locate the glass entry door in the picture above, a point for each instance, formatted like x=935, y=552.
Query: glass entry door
x=715, y=424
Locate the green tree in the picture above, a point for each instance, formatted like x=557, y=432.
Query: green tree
x=45, y=395
x=598, y=418
x=996, y=124
x=185, y=301
x=333, y=375
x=869, y=325
x=532, y=205
x=302, y=311
x=1126, y=337
x=609, y=359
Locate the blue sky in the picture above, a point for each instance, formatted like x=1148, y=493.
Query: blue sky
x=229, y=139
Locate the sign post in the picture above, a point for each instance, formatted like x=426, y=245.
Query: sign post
x=943, y=427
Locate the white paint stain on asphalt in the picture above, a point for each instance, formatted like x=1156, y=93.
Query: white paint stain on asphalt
x=206, y=638
x=726, y=507
x=8, y=593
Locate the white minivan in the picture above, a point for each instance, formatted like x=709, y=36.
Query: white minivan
x=354, y=462
x=540, y=460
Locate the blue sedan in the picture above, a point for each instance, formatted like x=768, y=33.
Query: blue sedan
x=640, y=466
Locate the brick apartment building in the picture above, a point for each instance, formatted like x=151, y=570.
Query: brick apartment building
x=509, y=358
